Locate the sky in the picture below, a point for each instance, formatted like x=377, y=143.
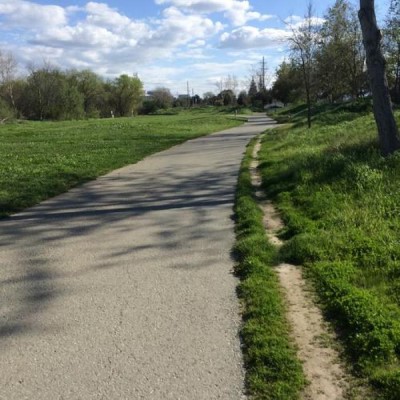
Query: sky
x=166, y=42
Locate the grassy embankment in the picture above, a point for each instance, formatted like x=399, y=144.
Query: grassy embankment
x=340, y=201
x=272, y=369
x=42, y=159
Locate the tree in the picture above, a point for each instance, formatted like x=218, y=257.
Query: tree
x=19, y=92
x=288, y=86
x=227, y=97
x=392, y=48
x=253, y=88
x=128, y=95
x=8, y=67
x=243, y=99
x=196, y=100
x=208, y=98
x=219, y=84
x=49, y=95
x=340, y=56
x=303, y=45
x=357, y=75
x=162, y=97
x=5, y=111
x=387, y=128
x=231, y=83
x=91, y=86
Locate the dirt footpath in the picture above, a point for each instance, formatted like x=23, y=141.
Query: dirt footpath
x=326, y=375
x=123, y=288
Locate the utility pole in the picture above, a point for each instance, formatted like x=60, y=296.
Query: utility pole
x=263, y=71
x=188, y=95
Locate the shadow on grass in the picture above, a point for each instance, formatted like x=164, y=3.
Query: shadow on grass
x=328, y=166
x=325, y=114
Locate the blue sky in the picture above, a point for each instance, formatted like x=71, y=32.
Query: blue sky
x=167, y=42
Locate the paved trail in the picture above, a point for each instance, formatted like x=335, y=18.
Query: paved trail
x=122, y=288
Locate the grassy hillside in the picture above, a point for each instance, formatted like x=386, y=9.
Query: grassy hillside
x=42, y=159
x=340, y=201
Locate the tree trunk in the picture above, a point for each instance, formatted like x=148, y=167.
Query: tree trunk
x=307, y=88
x=387, y=128
x=397, y=82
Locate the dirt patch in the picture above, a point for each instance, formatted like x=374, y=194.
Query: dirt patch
x=321, y=363
x=272, y=221
x=326, y=375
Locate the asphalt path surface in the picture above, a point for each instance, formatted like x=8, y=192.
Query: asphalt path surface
x=123, y=288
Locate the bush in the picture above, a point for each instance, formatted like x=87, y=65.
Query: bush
x=148, y=107
x=373, y=333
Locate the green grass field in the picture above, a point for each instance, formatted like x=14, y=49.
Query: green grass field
x=42, y=159
x=340, y=201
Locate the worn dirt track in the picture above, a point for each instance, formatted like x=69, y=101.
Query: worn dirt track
x=326, y=375
x=123, y=288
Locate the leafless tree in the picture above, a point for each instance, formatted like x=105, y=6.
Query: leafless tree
x=231, y=83
x=8, y=70
x=304, y=40
x=219, y=84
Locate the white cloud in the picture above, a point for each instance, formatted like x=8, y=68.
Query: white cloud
x=237, y=11
x=192, y=54
x=247, y=37
x=101, y=14
x=197, y=43
x=177, y=28
x=25, y=14
x=81, y=35
x=104, y=39
x=103, y=36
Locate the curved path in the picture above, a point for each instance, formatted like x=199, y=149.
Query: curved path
x=123, y=288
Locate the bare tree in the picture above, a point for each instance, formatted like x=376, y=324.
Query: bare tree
x=372, y=37
x=162, y=97
x=219, y=84
x=303, y=45
x=231, y=83
x=8, y=68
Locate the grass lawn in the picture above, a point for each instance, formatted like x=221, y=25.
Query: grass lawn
x=340, y=201
x=42, y=159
